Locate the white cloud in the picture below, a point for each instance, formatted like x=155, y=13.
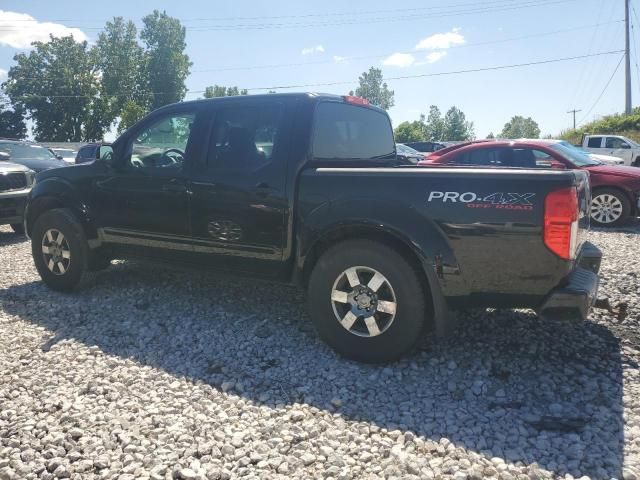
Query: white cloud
x=312, y=50
x=401, y=60
x=339, y=59
x=19, y=30
x=3, y=74
x=441, y=41
x=435, y=56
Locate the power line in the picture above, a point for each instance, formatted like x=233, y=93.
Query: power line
x=335, y=83
x=380, y=55
x=325, y=23
x=604, y=89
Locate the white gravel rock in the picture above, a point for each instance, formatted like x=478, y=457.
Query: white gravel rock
x=161, y=374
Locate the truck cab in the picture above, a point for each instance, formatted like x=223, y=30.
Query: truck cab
x=614, y=145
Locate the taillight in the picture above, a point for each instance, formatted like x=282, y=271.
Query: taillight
x=561, y=222
x=355, y=100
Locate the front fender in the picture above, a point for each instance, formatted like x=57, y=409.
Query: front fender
x=56, y=192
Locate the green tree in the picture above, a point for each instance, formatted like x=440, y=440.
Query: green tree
x=131, y=113
x=12, y=123
x=220, y=91
x=56, y=84
x=434, y=125
x=373, y=88
x=409, y=132
x=121, y=61
x=167, y=66
x=520, y=127
x=491, y=136
x=456, y=126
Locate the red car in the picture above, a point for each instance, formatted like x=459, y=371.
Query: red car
x=615, y=189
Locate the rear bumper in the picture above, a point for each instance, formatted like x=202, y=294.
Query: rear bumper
x=578, y=293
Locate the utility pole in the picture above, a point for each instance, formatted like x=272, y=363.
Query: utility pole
x=574, y=111
x=627, y=75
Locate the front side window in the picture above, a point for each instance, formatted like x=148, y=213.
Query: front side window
x=245, y=137
x=349, y=132
x=595, y=142
x=613, y=142
x=494, y=157
x=162, y=144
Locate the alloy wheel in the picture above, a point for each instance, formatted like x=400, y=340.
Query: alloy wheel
x=363, y=301
x=606, y=208
x=56, y=252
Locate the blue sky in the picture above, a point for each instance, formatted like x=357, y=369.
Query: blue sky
x=306, y=43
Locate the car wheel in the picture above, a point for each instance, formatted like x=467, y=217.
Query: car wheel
x=60, y=250
x=609, y=208
x=366, y=301
x=18, y=228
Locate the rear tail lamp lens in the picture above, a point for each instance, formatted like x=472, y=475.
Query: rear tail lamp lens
x=561, y=222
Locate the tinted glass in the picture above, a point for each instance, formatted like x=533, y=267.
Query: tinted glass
x=348, y=132
x=483, y=157
x=594, y=142
x=163, y=143
x=244, y=137
x=19, y=151
x=613, y=142
x=400, y=148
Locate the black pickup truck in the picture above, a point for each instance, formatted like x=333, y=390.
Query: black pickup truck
x=301, y=188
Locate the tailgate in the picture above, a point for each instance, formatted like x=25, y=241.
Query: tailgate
x=584, y=204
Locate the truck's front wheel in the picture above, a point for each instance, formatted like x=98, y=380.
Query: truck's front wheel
x=60, y=250
x=366, y=301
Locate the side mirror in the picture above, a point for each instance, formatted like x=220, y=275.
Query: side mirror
x=105, y=153
x=4, y=157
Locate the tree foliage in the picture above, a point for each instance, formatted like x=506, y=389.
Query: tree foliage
x=167, y=66
x=373, y=88
x=12, y=124
x=220, y=91
x=618, y=124
x=520, y=127
x=409, y=132
x=434, y=125
x=57, y=84
x=456, y=127
x=130, y=114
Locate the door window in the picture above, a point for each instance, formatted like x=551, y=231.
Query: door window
x=615, y=143
x=348, y=132
x=594, y=142
x=504, y=157
x=244, y=137
x=162, y=144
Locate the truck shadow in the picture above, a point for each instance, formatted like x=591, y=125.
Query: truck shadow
x=505, y=386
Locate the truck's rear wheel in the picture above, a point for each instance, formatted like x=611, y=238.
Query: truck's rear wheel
x=60, y=250
x=366, y=301
x=609, y=208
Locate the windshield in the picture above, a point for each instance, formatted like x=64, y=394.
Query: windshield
x=574, y=155
x=19, y=151
x=564, y=143
x=406, y=150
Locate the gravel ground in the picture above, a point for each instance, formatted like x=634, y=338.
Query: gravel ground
x=159, y=374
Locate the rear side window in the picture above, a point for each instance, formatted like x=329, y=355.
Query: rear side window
x=348, y=132
x=594, y=142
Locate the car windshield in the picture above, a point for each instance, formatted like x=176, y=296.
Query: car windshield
x=564, y=143
x=406, y=150
x=574, y=155
x=19, y=151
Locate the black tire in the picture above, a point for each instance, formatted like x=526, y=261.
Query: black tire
x=404, y=330
x=76, y=272
x=615, y=198
x=18, y=228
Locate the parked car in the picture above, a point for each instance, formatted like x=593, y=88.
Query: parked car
x=188, y=184
x=15, y=184
x=408, y=155
x=66, y=154
x=425, y=147
x=614, y=145
x=31, y=155
x=615, y=189
x=87, y=153
x=604, y=159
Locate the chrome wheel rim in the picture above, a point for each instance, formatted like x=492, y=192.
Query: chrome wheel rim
x=364, y=302
x=56, y=252
x=606, y=208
